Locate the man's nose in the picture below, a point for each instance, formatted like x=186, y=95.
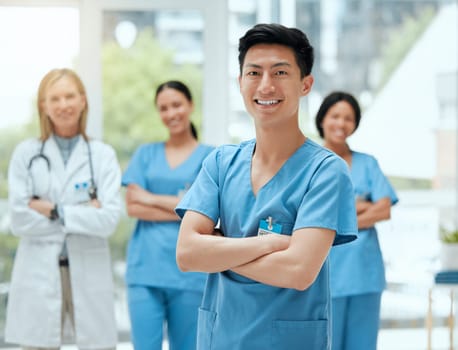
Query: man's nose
x=266, y=85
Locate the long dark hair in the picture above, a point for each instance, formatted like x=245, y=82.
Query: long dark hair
x=330, y=101
x=180, y=87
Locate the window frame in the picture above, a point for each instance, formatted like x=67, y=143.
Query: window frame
x=215, y=46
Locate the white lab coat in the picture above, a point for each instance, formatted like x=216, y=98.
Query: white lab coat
x=35, y=301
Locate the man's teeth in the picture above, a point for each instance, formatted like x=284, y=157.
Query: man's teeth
x=269, y=102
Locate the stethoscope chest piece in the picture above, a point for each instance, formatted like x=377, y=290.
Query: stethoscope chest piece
x=92, y=192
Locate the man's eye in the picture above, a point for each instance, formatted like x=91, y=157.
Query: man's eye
x=252, y=73
x=281, y=72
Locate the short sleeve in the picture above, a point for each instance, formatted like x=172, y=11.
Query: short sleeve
x=380, y=185
x=329, y=201
x=203, y=196
x=135, y=172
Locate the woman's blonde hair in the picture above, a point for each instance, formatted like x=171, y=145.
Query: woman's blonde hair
x=46, y=126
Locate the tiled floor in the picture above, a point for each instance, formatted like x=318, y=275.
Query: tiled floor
x=389, y=339
x=415, y=339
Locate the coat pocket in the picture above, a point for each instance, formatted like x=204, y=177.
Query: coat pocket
x=300, y=335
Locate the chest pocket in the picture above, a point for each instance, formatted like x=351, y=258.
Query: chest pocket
x=286, y=228
x=80, y=190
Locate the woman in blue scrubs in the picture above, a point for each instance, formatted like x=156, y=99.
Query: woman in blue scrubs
x=356, y=270
x=281, y=201
x=156, y=178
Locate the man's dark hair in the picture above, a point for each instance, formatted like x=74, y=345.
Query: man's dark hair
x=281, y=35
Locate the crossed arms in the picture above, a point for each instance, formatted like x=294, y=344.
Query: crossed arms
x=145, y=205
x=369, y=213
x=274, y=259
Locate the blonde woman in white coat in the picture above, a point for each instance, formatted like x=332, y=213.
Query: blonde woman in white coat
x=64, y=203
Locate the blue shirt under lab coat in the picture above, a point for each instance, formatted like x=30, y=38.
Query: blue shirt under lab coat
x=312, y=189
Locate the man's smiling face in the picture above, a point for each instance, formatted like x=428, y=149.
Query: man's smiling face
x=271, y=83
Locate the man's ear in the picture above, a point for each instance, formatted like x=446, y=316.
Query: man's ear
x=307, y=83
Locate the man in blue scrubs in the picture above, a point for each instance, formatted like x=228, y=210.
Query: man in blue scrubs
x=281, y=201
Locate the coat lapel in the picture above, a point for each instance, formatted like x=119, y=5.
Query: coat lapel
x=78, y=159
x=51, y=150
x=61, y=174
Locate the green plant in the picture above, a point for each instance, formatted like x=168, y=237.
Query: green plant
x=448, y=236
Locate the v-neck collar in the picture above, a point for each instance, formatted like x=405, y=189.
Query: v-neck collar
x=166, y=162
x=250, y=151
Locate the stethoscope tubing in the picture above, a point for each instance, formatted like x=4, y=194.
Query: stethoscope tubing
x=92, y=189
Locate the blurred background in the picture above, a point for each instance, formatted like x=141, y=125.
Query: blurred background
x=398, y=57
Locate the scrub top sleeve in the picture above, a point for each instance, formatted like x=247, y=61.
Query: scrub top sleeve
x=380, y=185
x=329, y=201
x=135, y=172
x=203, y=196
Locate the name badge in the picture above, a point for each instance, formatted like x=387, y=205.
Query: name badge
x=81, y=186
x=81, y=194
x=267, y=226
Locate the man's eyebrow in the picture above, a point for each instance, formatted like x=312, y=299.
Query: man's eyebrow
x=278, y=64
x=251, y=65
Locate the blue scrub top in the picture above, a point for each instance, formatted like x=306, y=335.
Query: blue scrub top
x=312, y=189
x=358, y=268
x=152, y=248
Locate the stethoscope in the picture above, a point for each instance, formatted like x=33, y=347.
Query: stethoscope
x=92, y=190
